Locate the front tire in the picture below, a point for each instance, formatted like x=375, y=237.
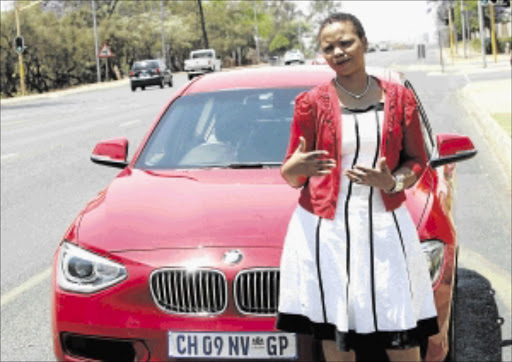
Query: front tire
x=190, y=76
x=451, y=355
x=134, y=88
x=143, y=87
x=170, y=81
x=162, y=83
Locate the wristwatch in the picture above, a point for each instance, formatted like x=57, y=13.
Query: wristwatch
x=399, y=183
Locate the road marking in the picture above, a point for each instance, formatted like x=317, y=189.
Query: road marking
x=9, y=155
x=25, y=286
x=13, y=122
x=499, y=278
x=126, y=124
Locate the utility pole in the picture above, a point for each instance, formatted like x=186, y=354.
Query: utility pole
x=98, y=73
x=450, y=22
x=482, y=32
x=206, y=46
x=440, y=50
x=162, y=26
x=493, y=33
x=463, y=18
x=257, y=34
x=300, y=37
x=20, y=54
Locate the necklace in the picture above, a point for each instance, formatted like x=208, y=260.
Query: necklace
x=356, y=96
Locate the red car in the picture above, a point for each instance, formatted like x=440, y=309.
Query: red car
x=178, y=258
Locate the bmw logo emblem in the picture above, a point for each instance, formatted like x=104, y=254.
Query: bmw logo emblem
x=232, y=257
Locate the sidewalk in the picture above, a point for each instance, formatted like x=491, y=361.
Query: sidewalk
x=489, y=101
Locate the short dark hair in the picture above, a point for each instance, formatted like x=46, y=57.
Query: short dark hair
x=337, y=17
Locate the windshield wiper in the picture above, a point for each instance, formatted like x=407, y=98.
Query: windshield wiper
x=253, y=164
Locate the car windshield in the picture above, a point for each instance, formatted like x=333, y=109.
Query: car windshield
x=150, y=64
x=202, y=55
x=236, y=128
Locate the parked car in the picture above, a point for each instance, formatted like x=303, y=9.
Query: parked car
x=371, y=48
x=319, y=60
x=149, y=72
x=293, y=56
x=202, y=61
x=383, y=47
x=179, y=256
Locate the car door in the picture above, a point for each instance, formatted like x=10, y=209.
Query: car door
x=419, y=196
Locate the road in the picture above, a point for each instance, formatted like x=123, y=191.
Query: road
x=47, y=178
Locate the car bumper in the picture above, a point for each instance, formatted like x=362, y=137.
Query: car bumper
x=125, y=320
x=438, y=344
x=199, y=71
x=138, y=82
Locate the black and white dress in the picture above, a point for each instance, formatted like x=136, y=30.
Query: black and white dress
x=362, y=274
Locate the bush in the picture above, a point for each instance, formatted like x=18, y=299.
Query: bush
x=500, y=44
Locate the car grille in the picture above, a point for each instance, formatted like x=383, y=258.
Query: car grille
x=182, y=291
x=257, y=291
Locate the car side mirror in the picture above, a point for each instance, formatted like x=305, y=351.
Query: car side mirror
x=452, y=148
x=111, y=152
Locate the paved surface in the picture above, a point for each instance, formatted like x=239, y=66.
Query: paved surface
x=488, y=91
x=47, y=178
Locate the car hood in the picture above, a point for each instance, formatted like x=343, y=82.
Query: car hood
x=144, y=210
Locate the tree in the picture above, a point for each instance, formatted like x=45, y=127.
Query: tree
x=60, y=40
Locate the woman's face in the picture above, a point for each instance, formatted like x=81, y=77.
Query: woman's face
x=342, y=48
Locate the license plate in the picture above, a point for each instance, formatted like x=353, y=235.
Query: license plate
x=232, y=345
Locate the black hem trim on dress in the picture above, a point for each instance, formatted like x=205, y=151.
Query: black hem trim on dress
x=297, y=323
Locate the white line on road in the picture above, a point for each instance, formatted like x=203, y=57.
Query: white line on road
x=27, y=285
x=13, y=122
x=126, y=124
x=9, y=155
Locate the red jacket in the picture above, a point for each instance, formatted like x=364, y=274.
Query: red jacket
x=317, y=118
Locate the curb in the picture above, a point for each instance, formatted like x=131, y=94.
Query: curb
x=63, y=92
x=94, y=86
x=497, y=138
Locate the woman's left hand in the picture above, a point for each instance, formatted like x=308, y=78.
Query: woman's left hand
x=379, y=177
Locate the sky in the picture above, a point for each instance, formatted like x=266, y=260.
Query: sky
x=395, y=21
x=392, y=20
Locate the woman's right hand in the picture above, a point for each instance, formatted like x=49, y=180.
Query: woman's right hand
x=306, y=164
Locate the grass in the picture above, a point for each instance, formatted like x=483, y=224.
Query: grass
x=505, y=121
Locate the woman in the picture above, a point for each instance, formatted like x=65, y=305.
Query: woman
x=352, y=270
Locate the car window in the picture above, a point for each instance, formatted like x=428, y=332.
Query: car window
x=222, y=128
x=425, y=124
x=202, y=55
x=150, y=64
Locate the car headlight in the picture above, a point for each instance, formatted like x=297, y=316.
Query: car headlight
x=434, y=254
x=81, y=271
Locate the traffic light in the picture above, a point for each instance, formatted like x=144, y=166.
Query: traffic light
x=19, y=44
